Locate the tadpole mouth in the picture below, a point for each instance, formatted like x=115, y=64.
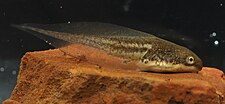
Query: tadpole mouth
x=199, y=66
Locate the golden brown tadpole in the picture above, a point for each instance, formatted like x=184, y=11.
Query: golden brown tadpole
x=146, y=51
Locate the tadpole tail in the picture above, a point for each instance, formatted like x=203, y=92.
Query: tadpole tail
x=57, y=43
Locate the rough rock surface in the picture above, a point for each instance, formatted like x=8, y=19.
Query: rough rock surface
x=48, y=77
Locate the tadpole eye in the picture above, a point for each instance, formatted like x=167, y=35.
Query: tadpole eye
x=190, y=60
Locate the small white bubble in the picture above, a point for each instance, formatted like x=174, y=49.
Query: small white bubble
x=221, y=4
x=213, y=34
x=2, y=69
x=69, y=22
x=61, y=7
x=50, y=43
x=14, y=72
x=46, y=41
x=216, y=42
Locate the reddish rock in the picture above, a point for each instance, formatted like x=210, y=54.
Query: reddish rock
x=52, y=77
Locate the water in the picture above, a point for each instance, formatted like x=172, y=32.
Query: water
x=194, y=24
x=7, y=78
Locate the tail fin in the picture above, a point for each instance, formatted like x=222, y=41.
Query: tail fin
x=57, y=43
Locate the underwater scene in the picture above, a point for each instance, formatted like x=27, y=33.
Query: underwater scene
x=196, y=25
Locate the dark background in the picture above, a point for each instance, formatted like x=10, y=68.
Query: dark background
x=196, y=24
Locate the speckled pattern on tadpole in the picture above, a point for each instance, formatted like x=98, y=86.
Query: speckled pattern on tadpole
x=148, y=51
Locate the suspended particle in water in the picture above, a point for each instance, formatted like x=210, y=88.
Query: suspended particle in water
x=213, y=34
x=14, y=72
x=182, y=38
x=216, y=42
x=68, y=22
x=2, y=69
x=61, y=7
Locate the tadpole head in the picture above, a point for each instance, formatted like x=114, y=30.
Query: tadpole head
x=170, y=58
